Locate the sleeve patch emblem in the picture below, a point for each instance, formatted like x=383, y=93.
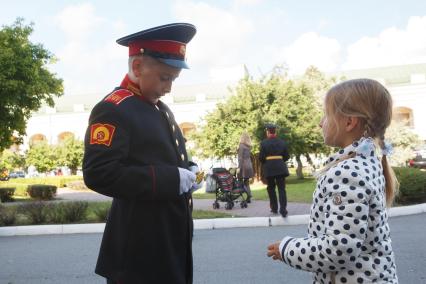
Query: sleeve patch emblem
x=118, y=96
x=101, y=133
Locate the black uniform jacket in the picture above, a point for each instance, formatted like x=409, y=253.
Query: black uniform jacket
x=133, y=149
x=273, y=155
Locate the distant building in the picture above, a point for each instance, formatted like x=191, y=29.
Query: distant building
x=71, y=113
x=190, y=104
x=407, y=85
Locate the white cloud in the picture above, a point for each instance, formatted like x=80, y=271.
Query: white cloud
x=228, y=73
x=92, y=70
x=311, y=49
x=89, y=67
x=246, y=2
x=78, y=21
x=221, y=34
x=391, y=47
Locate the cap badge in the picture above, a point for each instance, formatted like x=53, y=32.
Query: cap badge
x=182, y=50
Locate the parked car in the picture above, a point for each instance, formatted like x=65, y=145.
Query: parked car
x=418, y=162
x=17, y=174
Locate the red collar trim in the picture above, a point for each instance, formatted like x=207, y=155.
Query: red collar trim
x=129, y=85
x=270, y=136
x=134, y=88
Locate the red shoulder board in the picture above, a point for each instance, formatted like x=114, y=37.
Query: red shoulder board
x=118, y=96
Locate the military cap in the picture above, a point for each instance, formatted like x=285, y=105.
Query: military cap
x=166, y=43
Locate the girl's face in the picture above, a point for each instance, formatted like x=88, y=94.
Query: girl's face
x=333, y=128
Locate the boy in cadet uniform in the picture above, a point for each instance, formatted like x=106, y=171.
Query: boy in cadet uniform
x=273, y=156
x=135, y=153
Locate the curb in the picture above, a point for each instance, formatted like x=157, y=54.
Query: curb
x=200, y=224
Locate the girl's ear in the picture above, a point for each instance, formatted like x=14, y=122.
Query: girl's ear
x=352, y=122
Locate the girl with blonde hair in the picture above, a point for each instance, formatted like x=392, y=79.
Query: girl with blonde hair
x=348, y=235
x=244, y=162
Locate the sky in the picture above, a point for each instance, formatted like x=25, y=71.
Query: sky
x=333, y=35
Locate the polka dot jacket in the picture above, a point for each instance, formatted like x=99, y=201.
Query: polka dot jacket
x=348, y=235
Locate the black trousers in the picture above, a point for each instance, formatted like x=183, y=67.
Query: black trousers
x=278, y=181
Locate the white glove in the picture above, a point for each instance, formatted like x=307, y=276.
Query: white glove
x=187, y=178
x=196, y=186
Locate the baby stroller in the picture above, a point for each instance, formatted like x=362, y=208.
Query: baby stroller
x=228, y=188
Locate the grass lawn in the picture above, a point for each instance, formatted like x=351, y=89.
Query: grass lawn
x=96, y=212
x=297, y=190
x=196, y=214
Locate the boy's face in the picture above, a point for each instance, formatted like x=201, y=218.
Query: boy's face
x=155, y=79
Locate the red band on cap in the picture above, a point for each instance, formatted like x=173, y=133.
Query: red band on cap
x=164, y=46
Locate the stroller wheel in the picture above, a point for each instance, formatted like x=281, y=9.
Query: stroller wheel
x=229, y=205
x=216, y=205
x=243, y=204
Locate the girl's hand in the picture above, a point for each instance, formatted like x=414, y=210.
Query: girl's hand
x=274, y=251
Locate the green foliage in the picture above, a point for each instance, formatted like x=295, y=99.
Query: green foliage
x=10, y=160
x=404, y=141
x=8, y=215
x=292, y=104
x=43, y=157
x=6, y=193
x=36, y=212
x=20, y=189
x=68, y=212
x=298, y=190
x=21, y=184
x=203, y=214
x=25, y=81
x=42, y=191
x=47, y=157
x=70, y=153
x=412, y=185
x=101, y=211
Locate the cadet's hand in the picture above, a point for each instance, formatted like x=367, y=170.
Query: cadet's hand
x=274, y=251
x=187, y=178
x=199, y=178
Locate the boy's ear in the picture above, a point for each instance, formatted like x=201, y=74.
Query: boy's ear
x=136, y=66
x=352, y=122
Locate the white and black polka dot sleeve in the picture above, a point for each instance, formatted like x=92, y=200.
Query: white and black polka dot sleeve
x=338, y=223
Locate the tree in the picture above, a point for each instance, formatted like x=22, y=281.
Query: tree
x=43, y=157
x=294, y=105
x=70, y=153
x=404, y=142
x=11, y=160
x=25, y=82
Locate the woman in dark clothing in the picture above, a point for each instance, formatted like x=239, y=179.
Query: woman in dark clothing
x=244, y=162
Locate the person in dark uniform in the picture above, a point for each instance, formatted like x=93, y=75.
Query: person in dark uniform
x=273, y=156
x=135, y=153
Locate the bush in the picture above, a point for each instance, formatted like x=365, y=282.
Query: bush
x=37, y=212
x=69, y=212
x=73, y=211
x=42, y=191
x=21, y=183
x=412, y=185
x=6, y=194
x=101, y=212
x=8, y=215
